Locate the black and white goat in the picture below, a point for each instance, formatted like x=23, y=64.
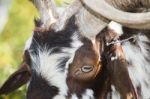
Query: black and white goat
x=71, y=58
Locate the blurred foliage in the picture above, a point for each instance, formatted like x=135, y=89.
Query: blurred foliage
x=12, y=40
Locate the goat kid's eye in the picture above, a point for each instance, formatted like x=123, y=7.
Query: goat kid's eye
x=84, y=69
x=87, y=69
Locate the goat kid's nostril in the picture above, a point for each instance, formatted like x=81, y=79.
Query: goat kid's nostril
x=87, y=69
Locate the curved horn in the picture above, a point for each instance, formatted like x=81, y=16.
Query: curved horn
x=135, y=20
x=89, y=24
x=47, y=10
x=129, y=5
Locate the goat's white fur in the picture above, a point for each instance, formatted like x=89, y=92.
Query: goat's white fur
x=59, y=97
x=74, y=96
x=114, y=93
x=116, y=27
x=89, y=94
x=46, y=64
x=139, y=69
x=28, y=43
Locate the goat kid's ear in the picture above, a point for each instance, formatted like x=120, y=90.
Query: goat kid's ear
x=17, y=79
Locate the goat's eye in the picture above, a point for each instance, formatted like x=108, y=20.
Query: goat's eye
x=87, y=69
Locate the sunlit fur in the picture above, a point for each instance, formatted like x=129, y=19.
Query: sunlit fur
x=28, y=43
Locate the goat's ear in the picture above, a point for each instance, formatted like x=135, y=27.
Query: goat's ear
x=18, y=78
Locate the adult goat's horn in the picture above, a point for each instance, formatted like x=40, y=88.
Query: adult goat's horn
x=135, y=20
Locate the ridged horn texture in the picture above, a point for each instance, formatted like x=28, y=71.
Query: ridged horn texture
x=133, y=20
x=129, y=5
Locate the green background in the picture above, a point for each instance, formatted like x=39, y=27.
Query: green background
x=12, y=40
